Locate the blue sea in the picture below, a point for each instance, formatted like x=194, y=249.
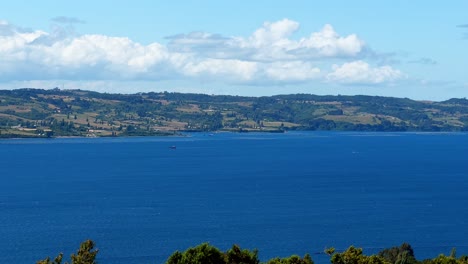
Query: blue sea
x=284, y=194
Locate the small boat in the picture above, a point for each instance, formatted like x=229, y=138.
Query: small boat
x=173, y=147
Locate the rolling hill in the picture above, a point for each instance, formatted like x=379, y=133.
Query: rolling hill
x=49, y=113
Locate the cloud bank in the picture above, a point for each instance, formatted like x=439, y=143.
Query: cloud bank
x=270, y=54
x=360, y=72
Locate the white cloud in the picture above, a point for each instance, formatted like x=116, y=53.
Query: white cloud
x=273, y=34
x=13, y=41
x=328, y=43
x=234, y=70
x=292, y=71
x=360, y=72
x=269, y=54
x=271, y=42
x=70, y=56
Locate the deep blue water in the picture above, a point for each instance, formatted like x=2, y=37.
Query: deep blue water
x=284, y=194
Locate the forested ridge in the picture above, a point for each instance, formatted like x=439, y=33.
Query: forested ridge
x=55, y=112
x=208, y=254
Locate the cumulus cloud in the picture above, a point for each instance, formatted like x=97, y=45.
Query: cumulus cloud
x=360, y=72
x=233, y=70
x=269, y=54
x=272, y=34
x=271, y=42
x=328, y=43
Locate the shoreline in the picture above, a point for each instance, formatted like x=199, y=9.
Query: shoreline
x=184, y=134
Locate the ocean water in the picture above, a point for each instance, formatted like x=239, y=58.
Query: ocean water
x=283, y=194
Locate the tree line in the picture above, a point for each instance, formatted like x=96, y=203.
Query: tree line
x=75, y=112
x=208, y=254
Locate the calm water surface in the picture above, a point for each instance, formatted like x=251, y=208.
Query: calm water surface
x=284, y=194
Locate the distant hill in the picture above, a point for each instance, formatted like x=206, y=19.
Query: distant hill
x=50, y=113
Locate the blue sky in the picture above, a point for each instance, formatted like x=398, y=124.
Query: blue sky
x=415, y=49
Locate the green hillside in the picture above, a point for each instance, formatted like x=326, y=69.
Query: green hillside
x=51, y=113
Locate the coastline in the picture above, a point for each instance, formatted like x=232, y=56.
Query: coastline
x=185, y=134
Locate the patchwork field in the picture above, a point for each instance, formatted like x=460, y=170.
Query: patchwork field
x=50, y=113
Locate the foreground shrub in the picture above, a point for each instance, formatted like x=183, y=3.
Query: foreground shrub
x=85, y=255
x=207, y=254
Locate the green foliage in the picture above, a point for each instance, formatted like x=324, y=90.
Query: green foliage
x=453, y=253
x=236, y=255
x=207, y=254
x=403, y=254
x=330, y=251
x=354, y=256
x=463, y=260
x=202, y=254
x=442, y=259
x=294, y=259
x=57, y=260
x=86, y=254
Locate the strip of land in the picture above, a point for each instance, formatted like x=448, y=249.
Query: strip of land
x=51, y=113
